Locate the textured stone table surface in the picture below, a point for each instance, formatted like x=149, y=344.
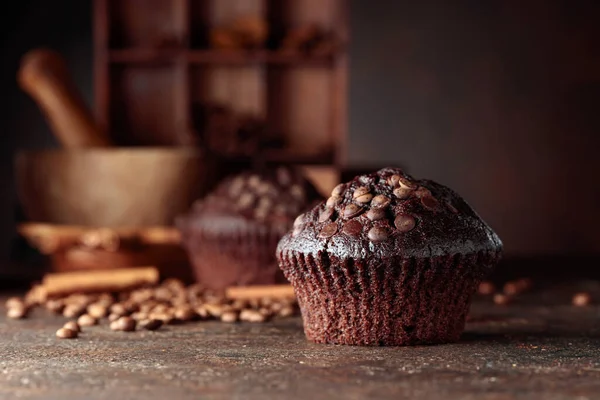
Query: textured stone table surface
x=538, y=347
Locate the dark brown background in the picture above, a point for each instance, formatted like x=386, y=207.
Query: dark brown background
x=497, y=100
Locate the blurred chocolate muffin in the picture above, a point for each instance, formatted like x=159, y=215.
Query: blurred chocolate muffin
x=387, y=260
x=231, y=234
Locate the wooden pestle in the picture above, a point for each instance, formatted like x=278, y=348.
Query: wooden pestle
x=43, y=74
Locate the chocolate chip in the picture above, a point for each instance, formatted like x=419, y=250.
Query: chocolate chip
x=377, y=234
x=64, y=333
x=338, y=190
x=150, y=324
x=430, y=202
x=328, y=230
x=351, y=211
x=375, y=214
x=402, y=193
x=333, y=201
x=394, y=180
x=403, y=182
x=326, y=214
x=380, y=201
x=364, y=199
x=352, y=228
x=360, y=191
x=404, y=223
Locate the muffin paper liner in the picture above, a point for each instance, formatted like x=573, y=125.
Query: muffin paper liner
x=387, y=302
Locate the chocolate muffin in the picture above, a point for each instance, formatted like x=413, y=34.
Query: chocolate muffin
x=231, y=234
x=387, y=260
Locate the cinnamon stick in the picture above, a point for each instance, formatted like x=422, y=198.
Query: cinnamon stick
x=111, y=280
x=260, y=291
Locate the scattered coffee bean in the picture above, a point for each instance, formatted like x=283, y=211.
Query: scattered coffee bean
x=55, y=306
x=64, y=333
x=72, y=325
x=165, y=317
x=97, y=310
x=245, y=200
x=73, y=310
x=229, y=316
x=286, y=311
x=150, y=324
x=184, y=314
x=404, y=223
x=328, y=230
x=214, y=310
x=119, y=309
x=502, y=299
x=375, y=214
x=333, y=201
x=511, y=288
x=582, y=299
x=139, y=316
x=251, y=316
x=17, y=312
x=378, y=234
x=338, y=190
x=486, y=288
x=202, y=312
x=402, y=193
x=125, y=324
x=351, y=211
x=14, y=302
x=113, y=317
x=326, y=214
x=352, y=228
x=86, y=320
x=380, y=201
x=253, y=181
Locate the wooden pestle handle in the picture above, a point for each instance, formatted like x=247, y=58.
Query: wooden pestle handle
x=43, y=74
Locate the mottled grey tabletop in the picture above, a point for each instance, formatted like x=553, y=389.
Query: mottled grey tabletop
x=538, y=347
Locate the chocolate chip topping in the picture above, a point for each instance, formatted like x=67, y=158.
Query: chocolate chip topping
x=391, y=210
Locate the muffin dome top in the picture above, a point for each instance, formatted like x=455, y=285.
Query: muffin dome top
x=389, y=213
x=270, y=196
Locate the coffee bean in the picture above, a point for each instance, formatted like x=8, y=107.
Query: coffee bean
x=17, y=312
x=55, y=305
x=380, y=201
x=251, y=316
x=284, y=177
x=214, y=310
x=430, y=203
x=486, y=288
x=394, y=180
x=297, y=192
x=264, y=188
x=402, y=193
x=139, y=316
x=184, y=314
x=125, y=324
x=404, y=223
x=253, y=181
x=97, y=310
x=265, y=203
x=285, y=312
x=113, y=317
x=364, y=199
x=73, y=310
x=328, y=230
x=375, y=214
x=326, y=214
x=14, y=302
x=333, y=201
x=86, y=320
x=245, y=200
x=360, y=191
x=202, y=312
x=338, y=190
x=64, y=333
x=150, y=324
x=377, y=234
x=502, y=299
x=352, y=228
x=165, y=317
x=72, y=325
x=405, y=183
x=229, y=316
x=351, y=211
x=582, y=299
x=120, y=309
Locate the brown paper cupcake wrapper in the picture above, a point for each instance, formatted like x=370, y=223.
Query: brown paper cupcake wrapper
x=245, y=257
x=393, y=302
